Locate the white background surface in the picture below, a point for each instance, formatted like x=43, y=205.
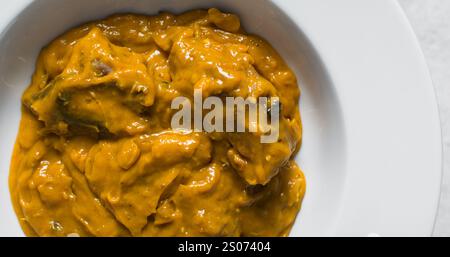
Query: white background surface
x=431, y=22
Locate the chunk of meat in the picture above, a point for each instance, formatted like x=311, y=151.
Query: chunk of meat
x=77, y=96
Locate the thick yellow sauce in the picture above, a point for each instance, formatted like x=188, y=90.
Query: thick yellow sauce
x=96, y=156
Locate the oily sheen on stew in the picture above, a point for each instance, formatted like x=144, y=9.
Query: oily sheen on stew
x=95, y=153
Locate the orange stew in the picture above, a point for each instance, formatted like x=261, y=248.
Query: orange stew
x=95, y=153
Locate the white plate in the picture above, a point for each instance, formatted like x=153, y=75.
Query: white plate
x=372, y=145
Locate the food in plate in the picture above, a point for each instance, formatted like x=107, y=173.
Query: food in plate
x=96, y=154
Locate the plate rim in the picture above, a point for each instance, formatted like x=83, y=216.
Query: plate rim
x=12, y=8
x=359, y=9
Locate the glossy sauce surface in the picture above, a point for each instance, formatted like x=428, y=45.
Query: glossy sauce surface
x=95, y=154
